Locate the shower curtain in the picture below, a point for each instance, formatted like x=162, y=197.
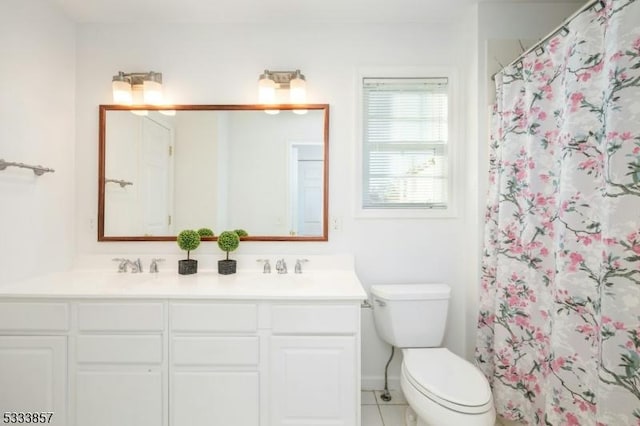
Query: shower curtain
x=559, y=323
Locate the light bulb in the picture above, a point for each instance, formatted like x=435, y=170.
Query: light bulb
x=152, y=92
x=266, y=89
x=121, y=90
x=298, y=89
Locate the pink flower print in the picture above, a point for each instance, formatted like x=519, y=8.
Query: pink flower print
x=625, y=136
x=541, y=200
x=553, y=45
x=542, y=116
x=616, y=56
x=585, y=240
x=522, y=321
x=576, y=98
x=590, y=164
x=609, y=241
x=576, y=258
x=636, y=45
x=585, y=76
x=619, y=325
x=544, y=178
x=636, y=150
x=544, y=252
x=572, y=420
x=598, y=67
x=557, y=363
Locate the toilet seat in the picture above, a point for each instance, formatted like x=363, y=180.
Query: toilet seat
x=447, y=379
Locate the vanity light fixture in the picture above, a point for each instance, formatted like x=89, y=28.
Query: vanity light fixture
x=125, y=84
x=269, y=81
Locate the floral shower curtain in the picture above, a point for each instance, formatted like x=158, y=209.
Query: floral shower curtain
x=559, y=325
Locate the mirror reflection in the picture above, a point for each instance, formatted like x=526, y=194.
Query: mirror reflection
x=233, y=167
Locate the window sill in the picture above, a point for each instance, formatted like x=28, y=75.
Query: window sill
x=448, y=213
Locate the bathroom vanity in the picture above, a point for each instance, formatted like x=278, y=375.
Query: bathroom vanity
x=99, y=348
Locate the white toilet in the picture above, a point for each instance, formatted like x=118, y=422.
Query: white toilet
x=441, y=388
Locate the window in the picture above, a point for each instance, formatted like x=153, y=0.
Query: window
x=405, y=158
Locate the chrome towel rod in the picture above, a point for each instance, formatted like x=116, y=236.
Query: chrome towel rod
x=120, y=182
x=37, y=170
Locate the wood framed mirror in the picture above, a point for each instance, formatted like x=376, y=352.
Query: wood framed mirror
x=263, y=169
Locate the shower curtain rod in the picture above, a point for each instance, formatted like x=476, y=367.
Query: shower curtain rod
x=559, y=28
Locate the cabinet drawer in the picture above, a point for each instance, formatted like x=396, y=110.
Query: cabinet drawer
x=119, y=349
x=314, y=319
x=214, y=317
x=225, y=351
x=32, y=316
x=120, y=317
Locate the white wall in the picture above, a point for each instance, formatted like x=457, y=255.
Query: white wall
x=37, y=74
x=221, y=64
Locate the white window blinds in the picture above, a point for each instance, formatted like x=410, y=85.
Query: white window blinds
x=405, y=143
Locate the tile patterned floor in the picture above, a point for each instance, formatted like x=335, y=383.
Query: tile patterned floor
x=376, y=412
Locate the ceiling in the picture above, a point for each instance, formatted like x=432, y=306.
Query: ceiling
x=268, y=11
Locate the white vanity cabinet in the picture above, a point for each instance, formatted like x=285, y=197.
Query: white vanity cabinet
x=214, y=364
x=314, y=352
x=33, y=359
x=183, y=351
x=118, y=364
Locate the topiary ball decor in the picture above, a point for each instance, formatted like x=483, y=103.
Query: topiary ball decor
x=241, y=233
x=227, y=241
x=205, y=232
x=188, y=240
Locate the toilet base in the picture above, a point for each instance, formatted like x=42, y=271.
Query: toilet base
x=430, y=413
x=411, y=418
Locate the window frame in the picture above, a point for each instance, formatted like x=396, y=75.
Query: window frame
x=452, y=144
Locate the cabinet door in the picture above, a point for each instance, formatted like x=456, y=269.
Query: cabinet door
x=33, y=375
x=313, y=380
x=208, y=398
x=123, y=398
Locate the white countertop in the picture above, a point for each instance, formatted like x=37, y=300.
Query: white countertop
x=335, y=284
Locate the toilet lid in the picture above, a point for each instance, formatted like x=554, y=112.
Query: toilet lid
x=448, y=379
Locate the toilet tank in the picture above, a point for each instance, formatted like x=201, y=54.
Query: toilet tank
x=411, y=315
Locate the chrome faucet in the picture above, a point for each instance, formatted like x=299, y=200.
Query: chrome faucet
x=124, y=263
x=281, y=266
x=136, y=266
x=298, y=267
x=122, y=266
x=266, y=269
x=153, y=268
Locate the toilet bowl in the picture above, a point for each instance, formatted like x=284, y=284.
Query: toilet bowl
x=444, y=389
x=441, y=388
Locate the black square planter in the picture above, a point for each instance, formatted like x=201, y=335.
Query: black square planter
x=187, y=266
x=226, y=267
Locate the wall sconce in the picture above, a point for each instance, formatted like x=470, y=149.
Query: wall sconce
x=269, y=81
x=124, y=85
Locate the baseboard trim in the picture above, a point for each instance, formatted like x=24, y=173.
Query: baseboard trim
x=369, y=383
